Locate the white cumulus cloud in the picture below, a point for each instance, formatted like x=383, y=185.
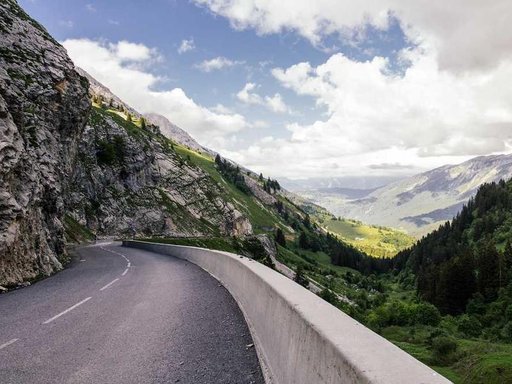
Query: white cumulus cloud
x=423, y=119
x=186, y=46
x=106, y=62
x=217, y=63
x=467, y=34
x=274, y=103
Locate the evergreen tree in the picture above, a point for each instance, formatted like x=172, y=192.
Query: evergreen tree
x=142, y=122
x=456, y=284
x=488, y=269
x=307, y=221
x=303, y=241
x=261, y=177
x=279, y=237
x=507, y=255
x=300, y=278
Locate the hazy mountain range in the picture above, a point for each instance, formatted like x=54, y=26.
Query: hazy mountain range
x=416, y=204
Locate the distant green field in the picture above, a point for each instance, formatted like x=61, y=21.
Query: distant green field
x=373, y=240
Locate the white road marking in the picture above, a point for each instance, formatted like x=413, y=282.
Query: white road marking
x=124, y=273
x=8, y=343
x=67, y=310
x=109, y=284
x=129, y=265
x=117, y=253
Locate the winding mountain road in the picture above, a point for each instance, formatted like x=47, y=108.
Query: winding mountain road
x=123, y=315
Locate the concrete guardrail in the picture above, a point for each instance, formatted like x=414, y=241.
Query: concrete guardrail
x=300, y=338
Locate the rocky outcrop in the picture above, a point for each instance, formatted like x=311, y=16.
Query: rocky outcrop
x=43, y=109
x=258, y=191
x=130, y=180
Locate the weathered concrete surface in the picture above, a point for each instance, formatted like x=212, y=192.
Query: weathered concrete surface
x=302, y=339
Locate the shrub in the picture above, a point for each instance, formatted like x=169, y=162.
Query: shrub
x=469, y=326
x=329, y=296
x=443, y=350
x=300, y=278
x=427, y=314
x=506, y=332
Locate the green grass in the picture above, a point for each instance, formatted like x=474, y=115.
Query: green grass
x=76, y=232
x=373, y=240
x=477, y=361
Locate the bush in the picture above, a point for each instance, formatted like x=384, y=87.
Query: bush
x=443, y=350
x=437, y=332
x=110, y=152
x=427, y=314
x=300, y=278
x=506, y=332
x=469, y=326
x=329, y=296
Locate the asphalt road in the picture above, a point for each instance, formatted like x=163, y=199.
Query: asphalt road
x=123, y=315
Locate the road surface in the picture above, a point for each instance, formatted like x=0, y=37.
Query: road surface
x=123, y=315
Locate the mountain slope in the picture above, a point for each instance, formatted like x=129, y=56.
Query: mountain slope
x=421, y=203
x=130, y=180
x=71, y=169
x=104, y=95
x=470, y=259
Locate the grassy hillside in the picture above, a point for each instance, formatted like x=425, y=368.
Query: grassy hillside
x=376, y=241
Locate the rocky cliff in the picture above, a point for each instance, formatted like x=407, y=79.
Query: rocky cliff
x=43, y=108
x=130, y=180
x=71, y=169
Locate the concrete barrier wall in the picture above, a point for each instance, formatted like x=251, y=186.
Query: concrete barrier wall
x=300, y=338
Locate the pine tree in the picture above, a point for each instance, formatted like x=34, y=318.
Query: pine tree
x=303, y=241
x=488, y=269
x=300, y=278
x=454, y=285
x=279, y=237
x=143, y=122
x=307, y=221
x=507, y=254
x=261, y=177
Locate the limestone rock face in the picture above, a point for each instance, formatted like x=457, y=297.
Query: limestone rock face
x=259, y=192
x=43, y=109
x=130, y=181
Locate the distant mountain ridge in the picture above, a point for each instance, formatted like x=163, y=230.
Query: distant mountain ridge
x=172, y=131
x=420, y=203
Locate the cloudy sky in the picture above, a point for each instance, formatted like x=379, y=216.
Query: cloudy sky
x=300, y=88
